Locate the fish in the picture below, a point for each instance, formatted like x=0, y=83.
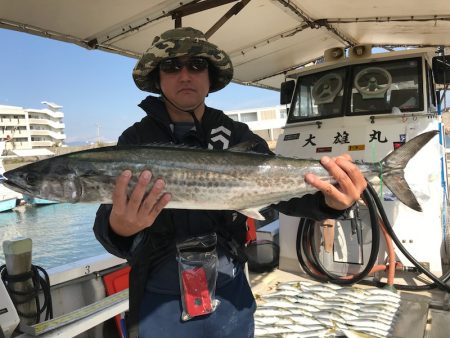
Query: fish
x=304, y=320
x=270, y=330
x=329, y=318
x=371, y=312
x=296, y=284
x=282, y=293
x=335, y=304
x=271, y=311
x=294, y=287
x=282, y=304
x=349, y=333
x=313, y=302
x=297, y=328
x=203, y=179
x=373, y=331
x=272, y=320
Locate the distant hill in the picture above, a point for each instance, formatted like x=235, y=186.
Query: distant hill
x=75, y=143
x=86, y=144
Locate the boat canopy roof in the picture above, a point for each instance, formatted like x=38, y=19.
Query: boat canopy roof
x=264, y=38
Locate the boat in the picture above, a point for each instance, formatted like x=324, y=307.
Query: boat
x=31, y=200
x=342, y=98
x=8, y=198
x=7, y=203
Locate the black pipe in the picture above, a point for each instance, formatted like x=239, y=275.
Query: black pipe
x=306, y=237
x=440, y=283
x=305, y=240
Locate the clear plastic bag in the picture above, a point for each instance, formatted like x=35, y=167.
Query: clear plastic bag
x=197, y=267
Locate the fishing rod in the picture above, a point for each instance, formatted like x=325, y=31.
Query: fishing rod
x=309, y=260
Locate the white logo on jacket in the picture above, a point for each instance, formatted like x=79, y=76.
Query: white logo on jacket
x=220, y=134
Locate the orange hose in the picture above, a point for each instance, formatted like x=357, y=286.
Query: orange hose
x=391, y=253
x=391, y=267
x=378, y=268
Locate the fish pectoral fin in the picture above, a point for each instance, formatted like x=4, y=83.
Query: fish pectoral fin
x=253, y=213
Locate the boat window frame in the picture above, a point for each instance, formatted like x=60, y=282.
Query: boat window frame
x=349, y=74
x=298, y=82
x=420, y=106
x=431, y=88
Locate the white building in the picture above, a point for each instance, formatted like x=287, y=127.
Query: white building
x=32, y=128
x=266, y=122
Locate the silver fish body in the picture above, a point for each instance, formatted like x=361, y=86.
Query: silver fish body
x=196, y=178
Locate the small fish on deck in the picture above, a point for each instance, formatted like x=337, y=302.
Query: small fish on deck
x=329, y=318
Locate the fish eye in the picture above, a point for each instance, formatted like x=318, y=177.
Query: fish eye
x=31, y=178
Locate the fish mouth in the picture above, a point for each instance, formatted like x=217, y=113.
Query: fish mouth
x=14, y=186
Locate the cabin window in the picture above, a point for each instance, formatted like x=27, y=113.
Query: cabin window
x=318, y=95
x=385, y=87
x=371, y=88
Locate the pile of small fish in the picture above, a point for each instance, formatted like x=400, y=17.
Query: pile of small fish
x=307, y=309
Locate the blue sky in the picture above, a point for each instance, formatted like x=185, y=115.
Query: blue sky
x=94, y=87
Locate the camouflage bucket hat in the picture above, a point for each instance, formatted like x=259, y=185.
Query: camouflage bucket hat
x=178, y=42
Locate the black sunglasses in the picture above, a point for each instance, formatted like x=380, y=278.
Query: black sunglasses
x=194, y=65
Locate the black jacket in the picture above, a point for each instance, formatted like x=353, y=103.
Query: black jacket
x=145, y=250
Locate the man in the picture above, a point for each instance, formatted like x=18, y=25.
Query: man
x=183, y=68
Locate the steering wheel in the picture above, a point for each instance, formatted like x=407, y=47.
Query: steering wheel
x=326, y=88
x=373, y=82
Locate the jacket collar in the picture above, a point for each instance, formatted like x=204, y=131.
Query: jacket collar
x=155, y=108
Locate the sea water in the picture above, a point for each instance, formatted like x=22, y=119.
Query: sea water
x=61, y=233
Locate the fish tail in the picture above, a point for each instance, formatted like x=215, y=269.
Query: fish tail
x=393, y=165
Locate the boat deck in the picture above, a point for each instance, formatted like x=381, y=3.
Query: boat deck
x=422, y=314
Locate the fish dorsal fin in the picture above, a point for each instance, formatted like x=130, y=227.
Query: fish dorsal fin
x=169, y=145
x=158, y=144
x=245, y=146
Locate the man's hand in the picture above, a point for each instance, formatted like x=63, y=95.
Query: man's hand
x=131, y=215
x=350, y=182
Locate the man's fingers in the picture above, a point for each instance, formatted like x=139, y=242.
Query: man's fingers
x=135, y=200
x=345, y=156
x=119, y=197
x=337, y=172
x=349, y=182
x=162, y=203
x=158, y=207
x=358, y=182
x=347, y=175
x=326, y=187
x=152, y=198
x=132, y=214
